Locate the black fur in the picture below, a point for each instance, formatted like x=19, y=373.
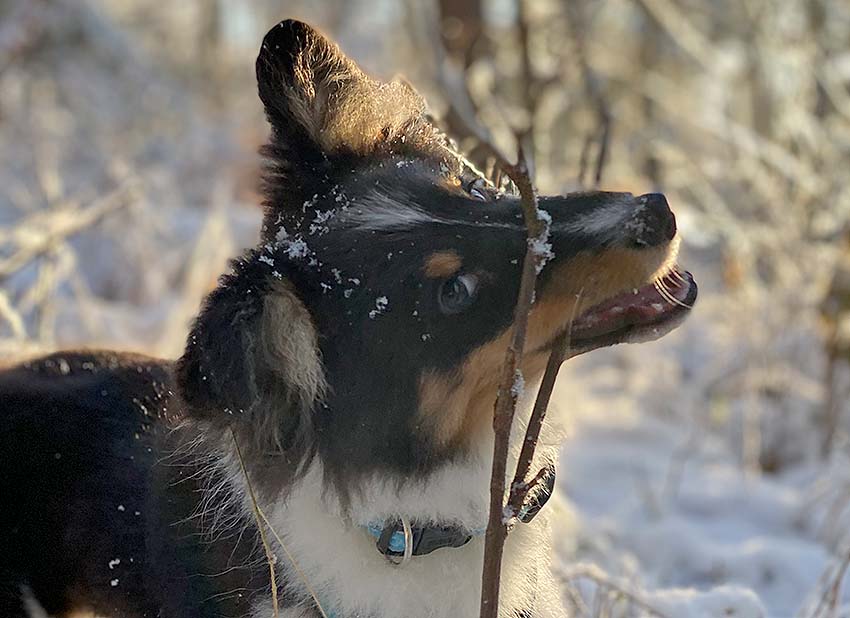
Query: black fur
x=224, y=375
x=96, y=492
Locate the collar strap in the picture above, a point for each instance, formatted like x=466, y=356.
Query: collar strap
x=425, y=539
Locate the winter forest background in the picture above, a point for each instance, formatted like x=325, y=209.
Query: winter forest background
x=706, y=475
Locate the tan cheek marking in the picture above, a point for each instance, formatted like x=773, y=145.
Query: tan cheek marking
x=440, y=400
x=452, y=406
x=602, y=275
x=442, y=264
x=459, y=406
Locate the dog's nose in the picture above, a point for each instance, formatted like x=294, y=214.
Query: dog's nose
x=653, y=223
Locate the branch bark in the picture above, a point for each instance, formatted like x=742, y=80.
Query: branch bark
x=463, y=122
x=505, y=408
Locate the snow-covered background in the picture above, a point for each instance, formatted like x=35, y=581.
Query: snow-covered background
x=706, y=475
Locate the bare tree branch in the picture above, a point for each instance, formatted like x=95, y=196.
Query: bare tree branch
x=35, y=241
x=505, y=408
x=577, y=25
x=462, y=120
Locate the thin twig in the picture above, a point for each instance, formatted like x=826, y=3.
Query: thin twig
x=530, y=89
x=827, y=606
x=835, y=588
x=294, y=564
x=11, y=316
x=35, y=242
x=506, y=400
x=270, y=557
x=260, y=518
x=500, y=513
x=464, y=122
x=520, y=488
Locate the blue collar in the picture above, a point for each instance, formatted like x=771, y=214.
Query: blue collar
x=390, y=536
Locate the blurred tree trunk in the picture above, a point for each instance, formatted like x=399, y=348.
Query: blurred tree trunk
x=835, y=316
x=650, y=53
x=816, y=15
x=462, y=30
x=210, y=58
x=464, y=41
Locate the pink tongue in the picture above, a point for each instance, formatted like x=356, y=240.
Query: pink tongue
x=643, y=305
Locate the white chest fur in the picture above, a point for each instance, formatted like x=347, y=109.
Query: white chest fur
x=338, y=558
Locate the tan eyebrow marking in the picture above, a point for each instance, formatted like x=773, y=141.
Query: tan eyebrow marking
x=442, y=264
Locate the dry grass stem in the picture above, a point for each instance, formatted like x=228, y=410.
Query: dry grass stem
x=259, y=518
x=263, y=521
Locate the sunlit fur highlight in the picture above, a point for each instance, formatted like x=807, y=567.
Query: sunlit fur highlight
x=290, y=344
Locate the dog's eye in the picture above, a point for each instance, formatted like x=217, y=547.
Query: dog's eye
x=457, y=293
x=477, y=189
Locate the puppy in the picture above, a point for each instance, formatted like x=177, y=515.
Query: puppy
x=342, y=375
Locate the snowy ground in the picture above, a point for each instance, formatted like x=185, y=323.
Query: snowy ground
x=666, y=510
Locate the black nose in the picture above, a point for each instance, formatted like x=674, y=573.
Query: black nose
x=653, y=222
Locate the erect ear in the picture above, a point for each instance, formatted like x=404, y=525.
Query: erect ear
x=252, y=360
x=318, y=99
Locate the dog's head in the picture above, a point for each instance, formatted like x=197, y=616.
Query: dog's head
x=371, y=323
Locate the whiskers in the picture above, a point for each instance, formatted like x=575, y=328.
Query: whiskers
x=675, y=274
x=660, y=286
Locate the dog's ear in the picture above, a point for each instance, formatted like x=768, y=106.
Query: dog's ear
x=319, y=102
x=252, y=360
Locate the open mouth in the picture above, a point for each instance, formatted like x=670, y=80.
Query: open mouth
x=638, y=315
